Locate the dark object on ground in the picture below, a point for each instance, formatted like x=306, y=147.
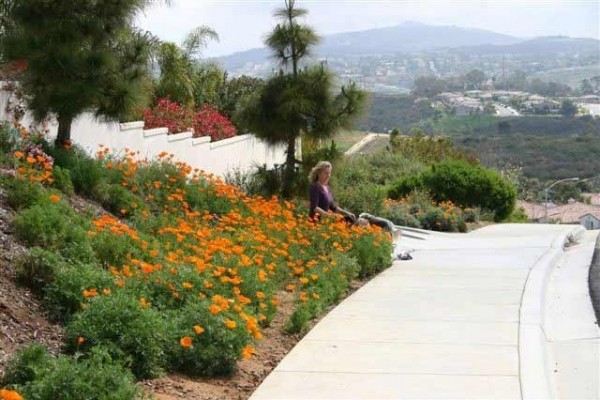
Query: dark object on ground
x=405, y=255
x=594, y=281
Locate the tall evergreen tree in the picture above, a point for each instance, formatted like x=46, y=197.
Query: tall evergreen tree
x=80, y=55
x=298, y=100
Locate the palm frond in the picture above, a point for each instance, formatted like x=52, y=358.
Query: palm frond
x=197, y=39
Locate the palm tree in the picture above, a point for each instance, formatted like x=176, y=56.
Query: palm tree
x=301, y=100
x=179, y=65
x=81, y=55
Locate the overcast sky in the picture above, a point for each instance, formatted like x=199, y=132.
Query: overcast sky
x=243, y=24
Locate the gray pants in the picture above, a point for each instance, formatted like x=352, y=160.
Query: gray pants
x=385, y=224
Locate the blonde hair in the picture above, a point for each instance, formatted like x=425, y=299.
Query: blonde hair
x=314, y=173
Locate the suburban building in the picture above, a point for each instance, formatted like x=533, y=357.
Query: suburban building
x=574, y=212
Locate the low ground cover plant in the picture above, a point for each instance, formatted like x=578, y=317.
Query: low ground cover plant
x=181, y=272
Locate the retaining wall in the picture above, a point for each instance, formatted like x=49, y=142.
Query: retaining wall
x=239, y=152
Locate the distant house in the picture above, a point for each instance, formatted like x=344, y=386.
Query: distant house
x=540, y=104
x=589, y=99
x=574, y=212
x=590, y=221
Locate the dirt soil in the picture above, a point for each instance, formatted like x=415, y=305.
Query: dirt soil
x=23, y=320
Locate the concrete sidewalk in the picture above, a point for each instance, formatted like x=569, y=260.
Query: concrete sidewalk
x=464, y=319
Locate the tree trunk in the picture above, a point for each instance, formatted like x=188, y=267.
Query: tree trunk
x=289, y=172
x=63, y=136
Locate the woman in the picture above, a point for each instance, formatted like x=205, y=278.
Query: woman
x=321, y=201
x=321, y=198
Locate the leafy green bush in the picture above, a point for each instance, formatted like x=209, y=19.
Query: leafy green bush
x=463, y=184
x=26, y=365
x=62, y=180
x=10, y=138
x=56, y=227
x=86, y=173
x=119, y=322
x=63, y=296
x=118, y=200
x=39, y=376
x=37, y=268
x=215, y=350
x=367, y=197
x=22, y=193
x=436, y=219
x=327, y=282
x=372, y=254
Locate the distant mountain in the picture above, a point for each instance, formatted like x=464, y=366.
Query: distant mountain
x=540, y=46
x=406, y=38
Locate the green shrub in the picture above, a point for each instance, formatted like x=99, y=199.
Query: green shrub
x=112, y=249
x=401, y=216
x=518, y=216
x=55, y=227
x=64, y=295
x=213, y=352
x=37, y=268
x=118, y=200
x=367, y=197
x=470, y=215
x=62, y=180
x=22, y=193
x=86, y=173
x=463, y=184
x=436, y=219
x=381, y=168
x=39, y=376
x=328, y=282
x=10, y=138
x=119, y=322
x=29, y=363
x=372, y=254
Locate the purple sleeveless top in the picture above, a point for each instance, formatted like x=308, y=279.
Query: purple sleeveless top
x=320, y=196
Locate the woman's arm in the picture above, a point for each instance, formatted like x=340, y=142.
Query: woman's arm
x=345, y=213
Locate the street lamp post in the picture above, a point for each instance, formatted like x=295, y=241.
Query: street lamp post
x=548, y=189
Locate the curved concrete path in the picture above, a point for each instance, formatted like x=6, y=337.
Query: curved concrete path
x=465, y=319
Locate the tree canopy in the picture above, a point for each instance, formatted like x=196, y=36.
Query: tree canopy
x=80, y=55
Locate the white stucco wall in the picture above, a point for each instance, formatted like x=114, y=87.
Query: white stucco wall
x=239, y=152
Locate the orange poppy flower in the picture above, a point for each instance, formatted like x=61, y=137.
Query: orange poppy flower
x=186, y=342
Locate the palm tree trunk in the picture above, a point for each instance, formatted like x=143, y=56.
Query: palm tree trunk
x=289, y=173
x=64, y=131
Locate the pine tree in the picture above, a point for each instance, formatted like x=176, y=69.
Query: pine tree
x=298, y=100
x=80, y=55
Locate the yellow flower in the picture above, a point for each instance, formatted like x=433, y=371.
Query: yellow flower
x=230, y=324
x=248, y=351
x=187, y=285
x=54, y=198
x=186, y=342
x=198, y=329
x=144, y=303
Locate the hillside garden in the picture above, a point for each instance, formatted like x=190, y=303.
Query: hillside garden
x=176, y=272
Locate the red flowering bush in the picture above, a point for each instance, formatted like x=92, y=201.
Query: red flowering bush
x=206, y=122
x=209, y=122
x=170, y=114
